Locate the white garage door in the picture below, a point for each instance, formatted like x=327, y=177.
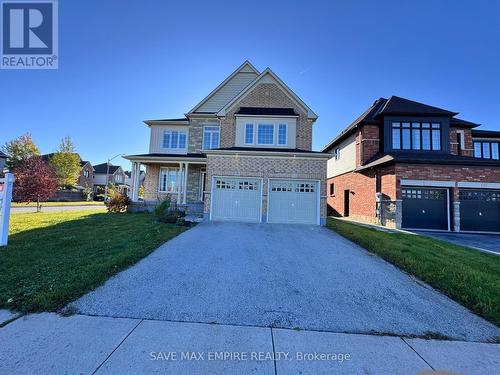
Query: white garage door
x=236, y=199
x=293, y=202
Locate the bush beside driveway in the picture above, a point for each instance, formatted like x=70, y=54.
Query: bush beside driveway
x=55, y=257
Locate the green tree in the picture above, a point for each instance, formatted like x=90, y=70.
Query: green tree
x=66, y=163
x=19, y=150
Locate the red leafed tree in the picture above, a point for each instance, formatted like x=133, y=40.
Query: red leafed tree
x=35, y=182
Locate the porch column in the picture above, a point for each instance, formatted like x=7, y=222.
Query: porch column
x=137, y=180
x=134, y=188
x=179, y=184
x=184, y=185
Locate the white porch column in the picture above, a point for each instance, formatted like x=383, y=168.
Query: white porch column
x=184, y=185
x=133, y=192
x=136, y=180
x=179, y=184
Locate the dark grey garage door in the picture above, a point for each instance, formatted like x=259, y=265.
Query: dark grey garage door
x=480, y=210
x=425, y=208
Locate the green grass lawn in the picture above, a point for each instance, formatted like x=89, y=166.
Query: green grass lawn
x=468, y=276
x=52, y=204
x=55, y=257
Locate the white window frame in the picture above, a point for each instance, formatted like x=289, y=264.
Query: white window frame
x=273, y=143
x=179, y=132
x=178, y=182
x=203, y=136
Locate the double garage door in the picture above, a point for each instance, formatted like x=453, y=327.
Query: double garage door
x=289, y=201
x=428, y=208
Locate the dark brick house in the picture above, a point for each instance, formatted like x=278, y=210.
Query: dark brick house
x=406, y=164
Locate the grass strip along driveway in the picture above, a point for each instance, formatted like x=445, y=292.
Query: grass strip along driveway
x=55, y=257
x=468, y=276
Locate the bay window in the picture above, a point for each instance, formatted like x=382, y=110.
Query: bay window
x=210, y=137
x=416, y=136
x=174, y=139
x=170, y=180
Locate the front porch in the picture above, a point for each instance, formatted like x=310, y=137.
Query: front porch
x=181, y=179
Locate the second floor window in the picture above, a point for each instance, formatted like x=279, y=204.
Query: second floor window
x=118, y=178
x=282, y=134
x=265, y=134
x=174, y=139
x=210, y=137
x=336, y=153
x=486, y=150
x=249, y=134
x=86, y=173
x=416, y=136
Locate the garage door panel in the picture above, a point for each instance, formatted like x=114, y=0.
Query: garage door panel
x=236, y=199
x=480, y=210
x=294, y=202
x=425, y=208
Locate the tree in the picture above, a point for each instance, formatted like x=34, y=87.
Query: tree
x=18, y=150
x=35, y=182
x=66, y=163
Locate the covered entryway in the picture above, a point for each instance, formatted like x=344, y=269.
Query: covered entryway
x=425, y=208
x=479, y=210
x=236, y=199
x=293, y=201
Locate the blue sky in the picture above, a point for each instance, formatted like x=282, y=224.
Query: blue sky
x=122, y=62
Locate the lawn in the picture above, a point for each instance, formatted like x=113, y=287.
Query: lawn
x=55, y=204
x=55, y=257
x=468, y=276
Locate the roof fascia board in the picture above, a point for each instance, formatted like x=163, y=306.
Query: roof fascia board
x=269, y=154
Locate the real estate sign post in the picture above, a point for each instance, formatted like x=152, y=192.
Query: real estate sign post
x=6, y=185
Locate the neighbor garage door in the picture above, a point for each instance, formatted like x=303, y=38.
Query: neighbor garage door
x=480, y=210
x=293, y=201
x=425, y=208
x=236, y=199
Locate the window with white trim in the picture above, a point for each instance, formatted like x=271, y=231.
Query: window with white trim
x=265, y=134
x=210, y=137
x=282, y=134
x=174, y=139
x=170, y=180
x=249, y=134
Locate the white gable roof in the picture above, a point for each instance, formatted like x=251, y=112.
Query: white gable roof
x=268, y=76
x=228, y=89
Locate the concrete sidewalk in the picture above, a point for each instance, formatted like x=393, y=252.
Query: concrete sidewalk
x=49, y=343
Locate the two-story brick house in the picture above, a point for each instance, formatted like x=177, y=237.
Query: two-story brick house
x=409, y=165
x=244, y=153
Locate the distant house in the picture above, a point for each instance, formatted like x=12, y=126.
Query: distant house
x=109, y=174
x=86, y=176
x=128, y=178
x=3, y=158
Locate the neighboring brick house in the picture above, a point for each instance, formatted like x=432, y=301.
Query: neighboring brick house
x=244, y=153
x=85, y=178
x=3, y=159
x=409, y=165
x=107, y=173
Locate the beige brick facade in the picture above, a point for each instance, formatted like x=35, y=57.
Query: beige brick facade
x=265, y=168
x=267, y=95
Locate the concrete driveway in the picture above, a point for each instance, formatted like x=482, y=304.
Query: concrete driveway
x=280, y=276
x=488, y=242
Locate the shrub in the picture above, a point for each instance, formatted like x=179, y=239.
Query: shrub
x=117, y=202
x=166, y=214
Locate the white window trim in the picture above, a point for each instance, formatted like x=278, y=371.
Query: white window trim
x=178, y=181
x=214, y=125
x=174, y=148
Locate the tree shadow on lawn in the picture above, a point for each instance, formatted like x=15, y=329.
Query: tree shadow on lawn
x=43, y=269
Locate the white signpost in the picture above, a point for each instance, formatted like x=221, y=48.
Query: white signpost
x=6, y=185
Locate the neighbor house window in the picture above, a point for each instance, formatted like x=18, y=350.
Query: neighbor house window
x=416, y=136
x=336, y=153
x=249, y=134
x=86, y=173
x=174, y=139
x=118, y=178
x=170, y=180
x=210, y=137
x=332, y=188
x=282, y=134
x=265, y=134
x=486, y=150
